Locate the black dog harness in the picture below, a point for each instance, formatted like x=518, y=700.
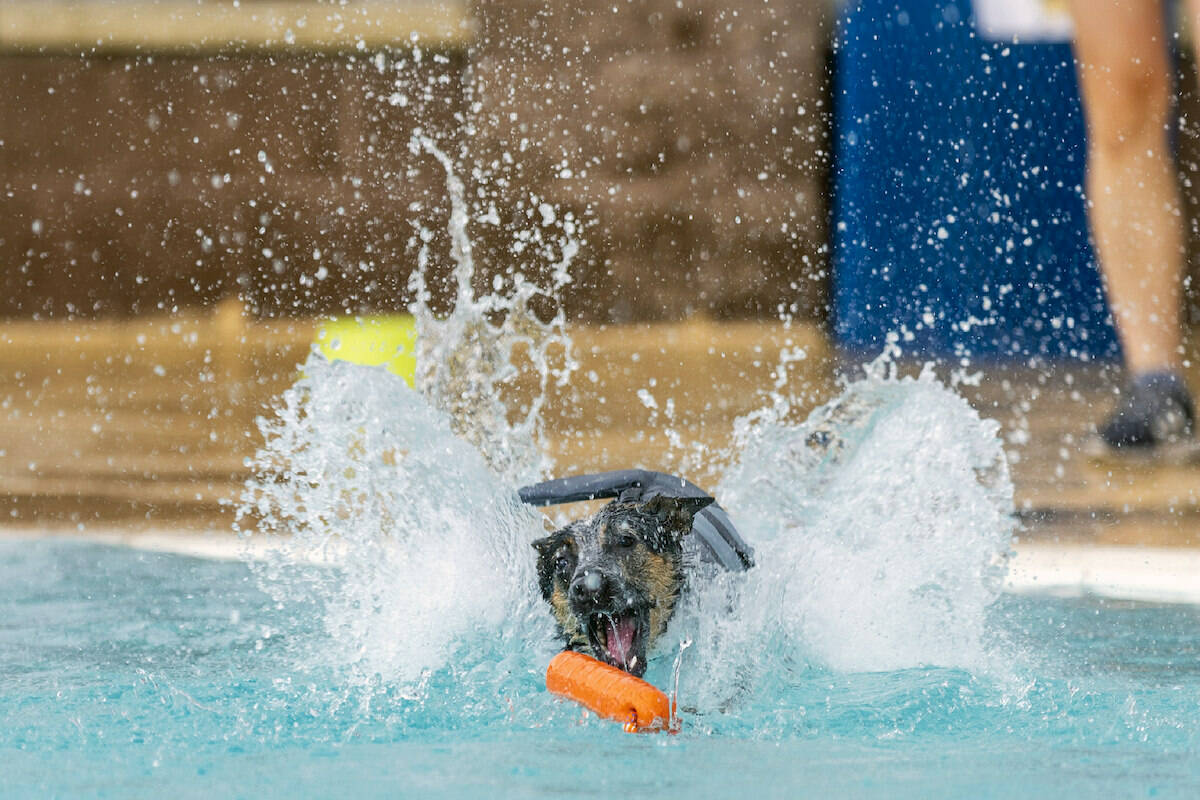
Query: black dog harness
x=712, y=525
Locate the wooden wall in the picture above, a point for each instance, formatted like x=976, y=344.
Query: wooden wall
x=136, y=184
x=689, y=143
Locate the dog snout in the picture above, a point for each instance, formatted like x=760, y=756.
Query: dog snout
x=591, y=587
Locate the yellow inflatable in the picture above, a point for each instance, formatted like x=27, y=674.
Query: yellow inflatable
x=388, y=340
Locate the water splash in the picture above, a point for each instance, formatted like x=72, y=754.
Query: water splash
x=411, y=495
x=880, y=523
x=466, y=358
x=881, y=526
x=426, y=542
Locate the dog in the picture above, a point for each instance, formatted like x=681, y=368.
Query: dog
x=613, y=579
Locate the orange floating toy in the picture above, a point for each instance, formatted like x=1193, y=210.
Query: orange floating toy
x=610, y=692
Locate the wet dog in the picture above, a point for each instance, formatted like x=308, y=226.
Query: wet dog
x=613, y=579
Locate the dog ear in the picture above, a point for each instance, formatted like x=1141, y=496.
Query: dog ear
x=675, y=513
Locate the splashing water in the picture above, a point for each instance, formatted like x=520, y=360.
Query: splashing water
x=464, y=359
x=427, y=541
x=880, y=524
x=411, y=495
x=881, y=527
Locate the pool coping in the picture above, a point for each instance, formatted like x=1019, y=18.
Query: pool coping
x=1140, y=573
x=1126, y=572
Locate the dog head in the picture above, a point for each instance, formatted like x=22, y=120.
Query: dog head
x=612, y=579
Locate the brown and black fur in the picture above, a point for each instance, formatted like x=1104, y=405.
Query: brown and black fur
x=624, y=565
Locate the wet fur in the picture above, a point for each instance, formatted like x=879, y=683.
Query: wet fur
x=638, y=549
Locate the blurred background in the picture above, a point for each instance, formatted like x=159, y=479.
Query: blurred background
x=189, y=187
x=167, y=155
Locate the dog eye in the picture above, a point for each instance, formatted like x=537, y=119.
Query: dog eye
x=562, y=564
x=625, y=540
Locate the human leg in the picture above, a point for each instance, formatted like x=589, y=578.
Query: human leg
x=1134, y=207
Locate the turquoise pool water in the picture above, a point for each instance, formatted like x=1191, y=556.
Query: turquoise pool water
x=388, y=639
x=126, y=673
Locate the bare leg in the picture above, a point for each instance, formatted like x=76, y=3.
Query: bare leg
x=1134, y=204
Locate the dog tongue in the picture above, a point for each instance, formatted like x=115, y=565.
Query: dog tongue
x=620, y=638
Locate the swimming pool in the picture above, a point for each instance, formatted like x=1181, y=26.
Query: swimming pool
x=125, y=673
x=392, y=643
x=382, y=634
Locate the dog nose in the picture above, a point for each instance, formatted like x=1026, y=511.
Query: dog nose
x=590, y=587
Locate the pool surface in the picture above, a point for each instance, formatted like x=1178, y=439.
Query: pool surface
x=389, y=639
x=125, y=673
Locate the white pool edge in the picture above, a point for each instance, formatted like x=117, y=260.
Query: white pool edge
x=1149, y=574
x=1152, y=574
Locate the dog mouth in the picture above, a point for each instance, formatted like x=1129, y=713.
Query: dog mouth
x=619, y=639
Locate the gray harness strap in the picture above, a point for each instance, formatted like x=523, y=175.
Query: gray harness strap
x=712, y=525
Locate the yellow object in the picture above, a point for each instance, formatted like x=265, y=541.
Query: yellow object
x=388, y=340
